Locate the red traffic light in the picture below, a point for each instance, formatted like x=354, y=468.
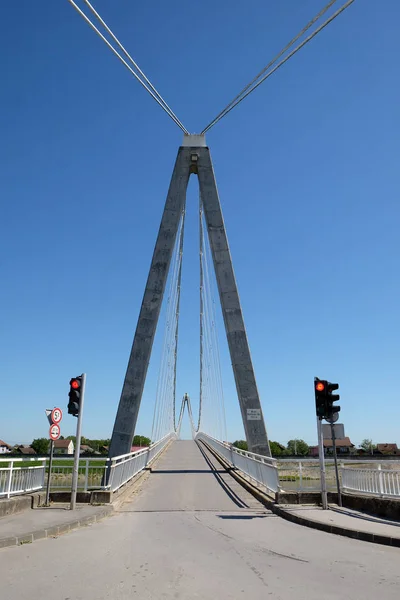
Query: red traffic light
x=75, y=384
x=320, y=386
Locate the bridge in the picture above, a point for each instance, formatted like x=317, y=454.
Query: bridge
x=195, y=518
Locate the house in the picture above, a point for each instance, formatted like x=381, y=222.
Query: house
x=343, y=446
x=4, y=447
x=136, y=448
x=25, y=450
x=63, y=447
x=387, y=449
x=85, y=449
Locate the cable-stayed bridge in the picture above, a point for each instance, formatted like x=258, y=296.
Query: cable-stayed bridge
x=196, y=525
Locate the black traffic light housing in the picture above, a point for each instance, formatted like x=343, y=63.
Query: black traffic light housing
x=74, y=396
x=324, y=398
x=320, y=387
x=331, y=409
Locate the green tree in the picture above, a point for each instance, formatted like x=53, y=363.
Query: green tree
x=276, y=449
x=141, y=440
x=241, y=444
x=40, y=445
x=368, y=446
x=297, y=447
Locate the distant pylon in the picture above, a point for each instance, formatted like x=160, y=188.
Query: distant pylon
x=193, y=157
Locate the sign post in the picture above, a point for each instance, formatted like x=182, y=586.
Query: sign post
x=54, y=417
x=75, y=473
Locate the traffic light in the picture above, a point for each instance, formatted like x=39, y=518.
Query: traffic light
x=320, y=387
x=331, y=409
x=324, y=398
x=74, y=396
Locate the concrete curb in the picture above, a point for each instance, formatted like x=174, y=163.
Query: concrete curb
x=363, y=536
x=55, y=530
x=355, y=534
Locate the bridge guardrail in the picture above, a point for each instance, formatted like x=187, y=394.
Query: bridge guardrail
x=125, y=467
x=91, y=474
x=261, y=469
x=377, y=482
x=18, y=480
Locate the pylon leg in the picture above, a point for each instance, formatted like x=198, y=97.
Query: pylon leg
x=132, y=390
x=249, y=400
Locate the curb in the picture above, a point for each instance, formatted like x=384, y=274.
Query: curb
x=55, y=530
x=262, y=497
x=355, y=534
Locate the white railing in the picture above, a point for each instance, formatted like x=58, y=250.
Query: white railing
x=123, y=468
x=377, y=482
x=16, y=479
x=261, y=469
x=92, y=472
x=304, y=475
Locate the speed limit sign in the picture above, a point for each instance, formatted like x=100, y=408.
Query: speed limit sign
x=56, y=415
x=54, y=432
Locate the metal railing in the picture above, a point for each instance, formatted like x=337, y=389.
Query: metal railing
x=92, y=472
x=16, y=479
x=125, y=467
x=261, y=469
x=304, y=476
x=377, y=482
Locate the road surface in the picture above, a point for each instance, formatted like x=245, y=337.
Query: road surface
x=192, y=533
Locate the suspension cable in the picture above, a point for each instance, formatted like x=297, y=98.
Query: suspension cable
x=177, y=316
x=151, y=90
x=255, y=83
x=201, y=307
x=165, y=395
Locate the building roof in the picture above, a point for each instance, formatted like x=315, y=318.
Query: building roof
x=26, y=450
x=62, y=443
x=136, y=448
x=4, y=444
x=387, y=447
x=344, y=443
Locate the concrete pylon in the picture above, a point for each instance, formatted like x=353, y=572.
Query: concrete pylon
x=193, y=157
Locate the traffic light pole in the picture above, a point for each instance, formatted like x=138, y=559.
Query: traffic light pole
x=75, y=473
x=324, y=495
x=339, y=494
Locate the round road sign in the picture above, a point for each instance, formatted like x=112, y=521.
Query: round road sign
x=54, y=432
x=56, y=415
x=333, y=418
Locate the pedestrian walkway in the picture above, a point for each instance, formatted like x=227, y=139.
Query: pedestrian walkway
x=344, y=521
x=39, y=523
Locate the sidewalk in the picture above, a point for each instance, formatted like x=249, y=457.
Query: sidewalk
x=39, y=523
x=344, y=521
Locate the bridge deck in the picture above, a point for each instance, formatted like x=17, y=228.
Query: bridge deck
x=189, y=533
x=188, y=478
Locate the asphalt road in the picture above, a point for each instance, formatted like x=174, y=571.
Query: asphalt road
x=192, y=533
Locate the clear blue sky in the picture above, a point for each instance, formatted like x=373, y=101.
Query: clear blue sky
x=308, y=174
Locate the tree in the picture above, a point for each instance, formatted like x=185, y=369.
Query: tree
x=40, y=445
x=368, y=446
x=297, y=447
x=241, y=444
x=276, y=449
x=141, y=440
